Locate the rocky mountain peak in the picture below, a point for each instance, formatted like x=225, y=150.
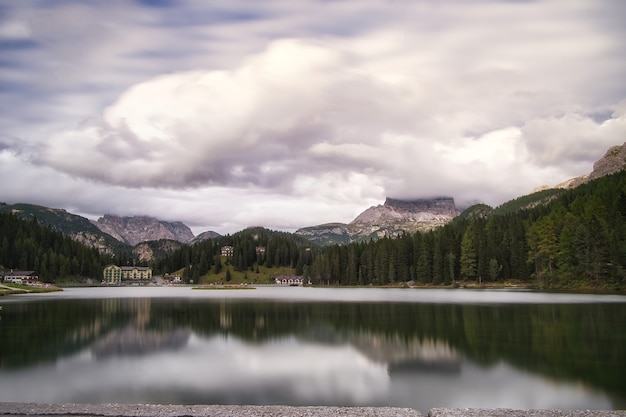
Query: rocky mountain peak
x=133, y=230
x=613, y=161
x=420, y=210
x=204, y=236
x=392, y=218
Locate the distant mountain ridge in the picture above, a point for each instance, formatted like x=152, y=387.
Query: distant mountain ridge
x=113, y=234
x=204, y=236
x=109, y=233
x=133, y=230
x=397, y=216
x=392, y=218
x=420, y=210
x=77, y=227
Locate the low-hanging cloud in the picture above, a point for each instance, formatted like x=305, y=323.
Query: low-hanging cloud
x=321, y=108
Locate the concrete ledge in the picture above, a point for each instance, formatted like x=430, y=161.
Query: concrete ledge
x=141, y=410
x=499, y=412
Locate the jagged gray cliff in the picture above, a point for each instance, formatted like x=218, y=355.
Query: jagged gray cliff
x=613, y=161
x=133, y=230
x=389, y=219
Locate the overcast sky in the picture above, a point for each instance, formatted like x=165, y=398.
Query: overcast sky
x=225, y=114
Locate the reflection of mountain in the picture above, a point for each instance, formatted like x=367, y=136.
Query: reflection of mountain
x=414, y=353
x=135, y=341
x=393, y=350
x=565, y=342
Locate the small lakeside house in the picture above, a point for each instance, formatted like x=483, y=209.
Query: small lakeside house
x=292, y=280
x=21, y=277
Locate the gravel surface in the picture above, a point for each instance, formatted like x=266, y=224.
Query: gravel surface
x=140, y=410
x=136, y=410
x=498, y=412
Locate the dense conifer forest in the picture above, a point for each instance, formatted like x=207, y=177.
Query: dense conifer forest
x=573, y=239
x=27, y=245
x=252, y=247
x=553, y=239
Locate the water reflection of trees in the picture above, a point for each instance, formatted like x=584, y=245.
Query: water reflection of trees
x=580, y=342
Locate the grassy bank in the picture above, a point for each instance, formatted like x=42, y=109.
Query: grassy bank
x=229, y=276
x=10, y=289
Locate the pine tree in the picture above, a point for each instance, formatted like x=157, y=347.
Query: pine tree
x=543, y=243
x=468, y=255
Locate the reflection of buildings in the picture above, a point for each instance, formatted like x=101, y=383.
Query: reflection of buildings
x=116, y=275
x=135, y=339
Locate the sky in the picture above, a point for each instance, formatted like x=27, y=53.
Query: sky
x=226, y=114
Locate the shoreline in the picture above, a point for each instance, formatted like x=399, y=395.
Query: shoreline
x=140, y=410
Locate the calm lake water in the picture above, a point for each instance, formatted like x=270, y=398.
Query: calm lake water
x=315, y=346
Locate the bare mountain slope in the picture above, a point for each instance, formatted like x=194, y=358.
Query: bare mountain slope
x=133, y=230
x=613, y=161
x=389, y=219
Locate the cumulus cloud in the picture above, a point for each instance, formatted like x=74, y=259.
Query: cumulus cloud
x=273, y=118
x=331, y=106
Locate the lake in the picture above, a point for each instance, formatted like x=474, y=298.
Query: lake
x=315, y=346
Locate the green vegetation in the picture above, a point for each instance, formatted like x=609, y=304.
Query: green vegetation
x=540, y=198
x=27, y=245
x=258, y=256
x=9, y=289
x=554, y=239
x=259, y=274
x=68, y=224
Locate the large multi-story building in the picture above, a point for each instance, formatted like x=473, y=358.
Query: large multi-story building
x=112, y=275
x=116, y=275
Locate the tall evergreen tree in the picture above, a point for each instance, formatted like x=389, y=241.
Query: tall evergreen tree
x=469, y=262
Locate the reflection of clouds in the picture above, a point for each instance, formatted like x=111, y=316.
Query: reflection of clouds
x=285, y=371
x=219, y=369
x=312, y=373
x=500, y=386
x=325, y=361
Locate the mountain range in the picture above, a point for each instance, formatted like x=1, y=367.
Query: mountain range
x=133, y=230
x=392, y=218
x=111, y=233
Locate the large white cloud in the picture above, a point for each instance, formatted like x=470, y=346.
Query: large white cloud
x=261, y=123
x=310, y=106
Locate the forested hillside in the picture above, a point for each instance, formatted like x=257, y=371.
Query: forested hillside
x=252, y=248
x=565, y=239
x=576, y=240
x=27, y=245
x=77, y=227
